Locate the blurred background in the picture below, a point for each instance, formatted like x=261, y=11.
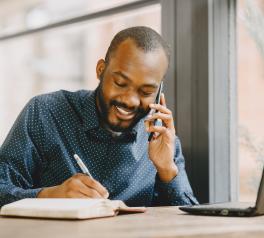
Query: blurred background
x=65, y=57
x=250, y=79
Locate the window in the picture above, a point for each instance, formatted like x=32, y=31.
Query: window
x=28, y=14
x=63, y=57
x=250, y=62
x=212, y=109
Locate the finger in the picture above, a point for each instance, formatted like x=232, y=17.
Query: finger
x=91, y=193
x=158, y=129
x=163, y=100
x=146, y=123
x=92, y=183
x=73, y=194
x=88, y=191
x=80, y=195
x=156, y=135
x=160, y=108
x=76, y=185
x=167, y=119
x=162, y=116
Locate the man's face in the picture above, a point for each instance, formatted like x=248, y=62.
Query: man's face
x=128, y=84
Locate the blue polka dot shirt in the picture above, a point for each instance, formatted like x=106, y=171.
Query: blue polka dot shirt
x=38, y=153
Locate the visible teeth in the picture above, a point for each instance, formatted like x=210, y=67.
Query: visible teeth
x=123, y=111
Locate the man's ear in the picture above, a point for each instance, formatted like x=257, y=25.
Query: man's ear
x=100, y=67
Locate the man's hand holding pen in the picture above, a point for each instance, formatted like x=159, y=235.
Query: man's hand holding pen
x=77, y=186
x=162, y=145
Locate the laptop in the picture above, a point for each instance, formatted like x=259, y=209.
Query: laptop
x=241, y=209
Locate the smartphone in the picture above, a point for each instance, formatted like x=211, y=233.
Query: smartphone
x=157, y=101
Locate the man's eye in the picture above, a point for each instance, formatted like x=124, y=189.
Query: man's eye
x=147, y=94
x=121, y=85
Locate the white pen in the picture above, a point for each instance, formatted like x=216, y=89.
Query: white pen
x=82, y=165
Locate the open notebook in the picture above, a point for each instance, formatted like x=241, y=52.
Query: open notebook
x=67, y=208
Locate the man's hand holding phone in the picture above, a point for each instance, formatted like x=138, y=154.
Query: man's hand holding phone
x=162, y=142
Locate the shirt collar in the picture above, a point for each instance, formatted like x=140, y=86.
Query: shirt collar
x=91, y=120
x=90, y=116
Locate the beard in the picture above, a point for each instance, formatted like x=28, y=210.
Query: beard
x=105, y=109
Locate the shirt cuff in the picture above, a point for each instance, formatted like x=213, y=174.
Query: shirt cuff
x=16, y=194
x=174, y=192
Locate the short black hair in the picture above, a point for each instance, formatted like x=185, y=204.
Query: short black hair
x=145, y=38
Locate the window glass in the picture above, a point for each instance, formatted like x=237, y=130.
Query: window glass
x=60, y=58
x=250, y=62
x=27, y=14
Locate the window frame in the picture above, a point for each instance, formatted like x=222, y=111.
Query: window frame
x=203, y=93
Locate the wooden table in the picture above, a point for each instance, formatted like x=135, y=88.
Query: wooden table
x=156, y=222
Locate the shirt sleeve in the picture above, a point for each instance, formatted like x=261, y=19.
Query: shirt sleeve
x=19, y=160
x=178, y=191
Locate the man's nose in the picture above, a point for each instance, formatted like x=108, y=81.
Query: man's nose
x=131, y=99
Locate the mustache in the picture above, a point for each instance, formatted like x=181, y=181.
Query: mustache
x=123, y=105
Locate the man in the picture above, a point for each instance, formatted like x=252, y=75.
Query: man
x=108, y=128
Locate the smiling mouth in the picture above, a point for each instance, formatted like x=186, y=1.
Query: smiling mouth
x=124, y=114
